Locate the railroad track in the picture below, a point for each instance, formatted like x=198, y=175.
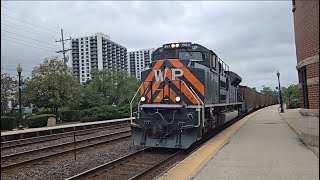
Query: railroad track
x=41, y=139
x=148, y=163
x=137, y=165
x=41, y=154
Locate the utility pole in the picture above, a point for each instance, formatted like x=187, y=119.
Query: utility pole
x=63, y=41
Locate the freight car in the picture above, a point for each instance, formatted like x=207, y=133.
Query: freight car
x=188, y=91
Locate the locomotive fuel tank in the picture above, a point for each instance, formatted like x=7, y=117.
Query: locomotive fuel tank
x=227, y=116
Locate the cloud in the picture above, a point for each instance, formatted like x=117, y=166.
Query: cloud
x=255, y=38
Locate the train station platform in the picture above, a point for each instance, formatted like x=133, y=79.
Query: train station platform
x=262, y=145
x=42, y=131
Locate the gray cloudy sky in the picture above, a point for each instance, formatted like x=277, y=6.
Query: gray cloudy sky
x=254, y=38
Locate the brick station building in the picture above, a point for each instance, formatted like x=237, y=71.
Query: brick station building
x=306, y=28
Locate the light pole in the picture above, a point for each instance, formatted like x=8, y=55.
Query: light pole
x=281, y=104
x=19, y=70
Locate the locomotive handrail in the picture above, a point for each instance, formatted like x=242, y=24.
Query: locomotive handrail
x=132, y=101
x=199, y=105
x=197, y=99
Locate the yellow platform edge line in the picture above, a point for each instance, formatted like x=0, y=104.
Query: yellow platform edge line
x=189, y=167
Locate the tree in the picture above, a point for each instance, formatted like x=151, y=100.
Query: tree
x=294, y=97
x=8, y=88
x=268, y=91
x=52, y=85
x=116, y=87
x=255, y=89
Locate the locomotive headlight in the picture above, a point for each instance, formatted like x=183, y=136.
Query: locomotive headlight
x=177, y=45
x=173, y=45
x=178, y=99
x=143, y=99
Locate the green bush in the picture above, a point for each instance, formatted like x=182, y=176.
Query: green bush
x=7, y=122
x=44, y=112
x=38, y=120
x=294, y=103
x=104, y=113
x=71, y=115
x=35, y=110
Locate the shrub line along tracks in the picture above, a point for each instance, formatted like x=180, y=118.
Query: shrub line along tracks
x=40, y=139
x=22, y=158
x=132, y=166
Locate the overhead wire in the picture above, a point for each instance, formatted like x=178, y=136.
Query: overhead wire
x=17, y=12
x=7, y=23
x=26, y=44
x=26, y=41
x=28, y=37
x=30, y=23
x=8, y=69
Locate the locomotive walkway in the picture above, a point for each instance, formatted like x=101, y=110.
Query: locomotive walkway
x=264, y=145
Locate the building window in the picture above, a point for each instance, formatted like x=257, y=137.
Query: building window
x=87, y=49
x=87, y=67
x=82, y=57
x=86, y=45
x=82, y=68
x=81, y=42
x=303, y=81
x=86, y=38
x=82, y=72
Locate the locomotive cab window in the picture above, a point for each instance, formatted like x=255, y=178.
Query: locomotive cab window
x=191, y=55
x=162, y=56
x=213, y=62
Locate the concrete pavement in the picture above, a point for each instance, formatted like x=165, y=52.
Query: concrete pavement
x=293, y=119
x=264, y=148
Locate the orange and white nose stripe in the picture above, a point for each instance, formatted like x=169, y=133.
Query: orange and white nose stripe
x=159, y=73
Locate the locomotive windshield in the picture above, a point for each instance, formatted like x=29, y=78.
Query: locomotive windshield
x=185, y=55
x=190, y=55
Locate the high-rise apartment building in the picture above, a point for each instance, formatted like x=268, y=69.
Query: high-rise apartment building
x=96, y=52
x=139, y=61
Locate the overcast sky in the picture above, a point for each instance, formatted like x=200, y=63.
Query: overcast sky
x=254, y=38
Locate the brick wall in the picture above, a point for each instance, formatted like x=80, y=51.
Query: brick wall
x=313, y=94
x=306, y=27
x=313, y=70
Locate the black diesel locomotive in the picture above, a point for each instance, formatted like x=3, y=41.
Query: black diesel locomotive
x=187, y=91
